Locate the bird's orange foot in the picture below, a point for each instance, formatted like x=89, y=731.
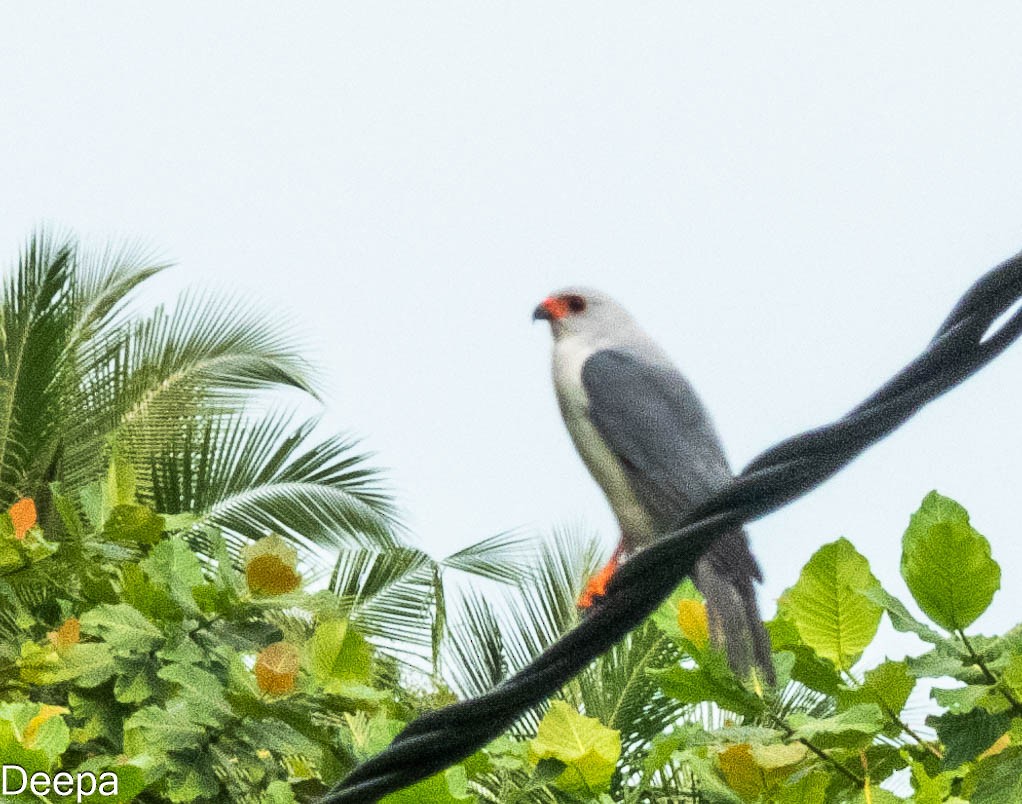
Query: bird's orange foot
x=597, y=584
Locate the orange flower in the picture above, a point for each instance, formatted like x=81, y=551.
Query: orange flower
x=276, y=668
x=67, y=635
x=23, y=516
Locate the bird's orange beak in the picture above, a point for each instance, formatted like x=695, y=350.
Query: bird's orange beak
x=550, y=309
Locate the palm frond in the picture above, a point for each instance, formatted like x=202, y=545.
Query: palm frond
x=477, y=660
x=221, y=345
x=35, y=323
x=361, y=574
x=505, y=557
x=250, y=478
x=399, y=617
x=104, y=281
x=149, y=381
x=497, y=632
x=546, y=606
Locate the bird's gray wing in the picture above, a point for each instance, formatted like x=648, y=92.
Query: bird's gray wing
x=652, y=420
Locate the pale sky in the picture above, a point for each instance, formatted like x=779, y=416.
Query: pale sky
x=789, y=199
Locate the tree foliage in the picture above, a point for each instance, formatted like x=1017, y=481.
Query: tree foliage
x=191, y=679
x=831, y=732
x=158, y=534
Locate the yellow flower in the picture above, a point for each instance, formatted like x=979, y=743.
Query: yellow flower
x=693, y=622
x=276, y=668
x=270, y=566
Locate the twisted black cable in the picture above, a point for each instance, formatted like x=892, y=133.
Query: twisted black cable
x=961, y=347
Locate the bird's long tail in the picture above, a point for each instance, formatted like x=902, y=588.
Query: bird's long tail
x=724, y=577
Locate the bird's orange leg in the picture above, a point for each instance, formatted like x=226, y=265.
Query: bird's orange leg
x=596, y=587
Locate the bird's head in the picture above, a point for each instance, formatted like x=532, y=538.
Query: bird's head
x=580, y=311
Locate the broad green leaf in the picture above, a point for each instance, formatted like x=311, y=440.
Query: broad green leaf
x=135, y=681
x=132, y=777
x=946, y=659
x=51, y=736
x=91, y=497
x=588, y=749
x=191, y=781
x=930, y=789
x=155, y=602
x=1012, y=674
x=961, y=699
x=998, y=780
x=752, y=770
x=808, y=667
x=278, y=792
x=120, y=481
x=87, y=663
x=887, y=685
x=863, y=720
x=707, y=778
x=947, y=564
x=967, y=736
x=202, y=692
x=98, y=718
x=666, y=615
x=173, y=565
x=182, y=650
x=13, y=752
x=876, y=795
x=272, y=732
x=709, y=681
x=828, y=605
x=882, y=758
x=337, y=654
x=133, y=524
x=504, y=753
x=900, y=617
x=91, y=663
x=447, y=787
x=160, y=729
x=808, y=789
x=776, y=756
x=741, y=772
x=37, y=727
x=122, y=627
x=10, y=555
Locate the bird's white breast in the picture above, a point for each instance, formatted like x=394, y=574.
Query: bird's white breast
x=570, y=353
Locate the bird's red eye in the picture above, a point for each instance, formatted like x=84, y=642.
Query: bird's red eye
x=576, y=304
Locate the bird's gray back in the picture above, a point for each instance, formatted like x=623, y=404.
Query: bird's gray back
x=652, y=420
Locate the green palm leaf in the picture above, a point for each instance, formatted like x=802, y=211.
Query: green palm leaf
x=505, y=557
x=36, y=317
x=103, y=283
x=250, y=478
x=497, y=632
x=149, y=381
